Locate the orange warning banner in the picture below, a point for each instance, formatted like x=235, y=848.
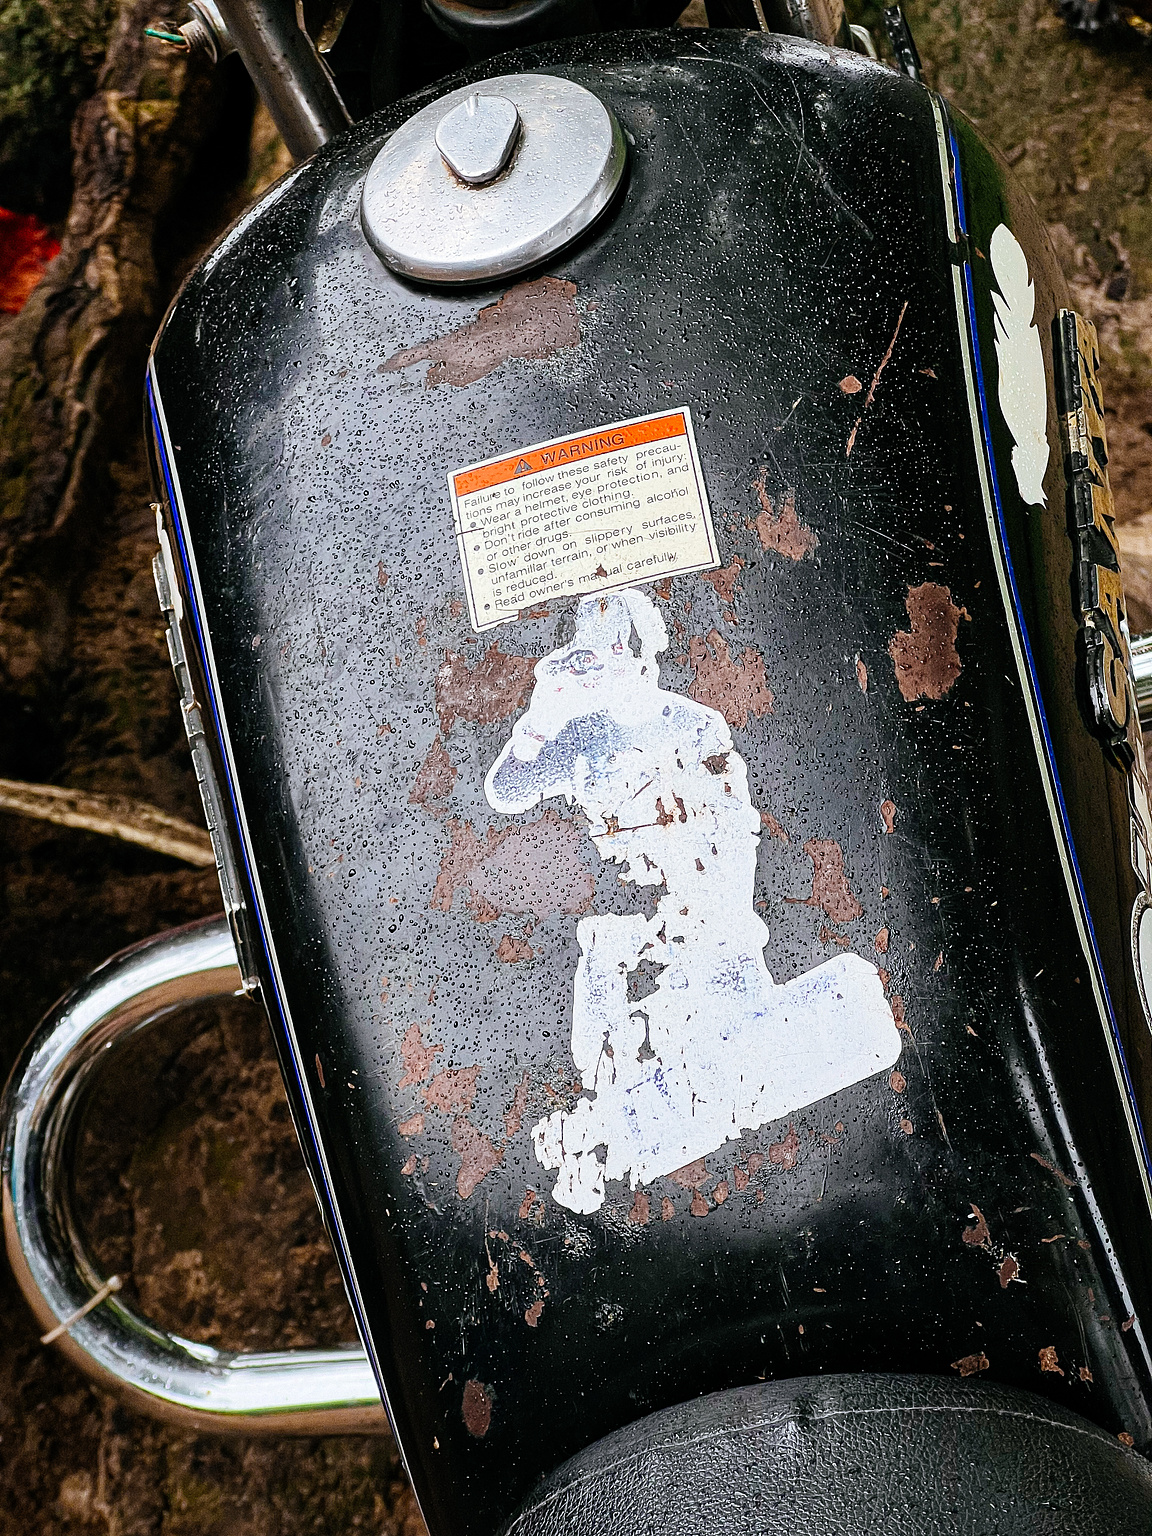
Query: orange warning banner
x=587, y=445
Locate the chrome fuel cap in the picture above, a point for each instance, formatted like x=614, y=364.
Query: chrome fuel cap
x=491, y=179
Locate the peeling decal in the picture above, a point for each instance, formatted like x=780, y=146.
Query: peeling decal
x=715, y=1047
x=1023, y=387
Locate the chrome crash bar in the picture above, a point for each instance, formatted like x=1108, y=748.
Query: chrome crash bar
x=290, y=1392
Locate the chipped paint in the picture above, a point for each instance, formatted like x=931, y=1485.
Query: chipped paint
x=491, y=690
x=514, y=1114
x=433, y=782
x=476, y=1408
x=925, y=657
x=417, y=1057
x=532, y=320
x=738, y=689
x=888, y=817
x=412, y=1127
x=478, y=1157
x=785, y=1153
x=970, y=1365
x=452, y=1091
x=1049, y=1360
x=537, y=868
x=977, y=1236
x=830, y=889
x=512, y=950
x=780, y=529
x=1051, y=1167
x=718, y=1047
x=862, y=675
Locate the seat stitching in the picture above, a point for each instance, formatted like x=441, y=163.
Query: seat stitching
x=1090, y=1433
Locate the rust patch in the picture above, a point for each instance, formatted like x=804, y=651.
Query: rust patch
x=888, y=817
x=1128, y=1322
x=721, y=1192
x=381, y=574
x=532, y=320
x=740, y=1177
x=699, y=1206
x=452, y=1091
x=850, y=384
x=478, y=1157
x=319, y=1069
x=538, y=868
x=641, y=1211
x=737, y=688
x=725, y=580
x=491, y=690
x=1125, y=1439
x=476, y=1409
x=691, y=1176
x=413, y=1127
x=925, y=657
x=1009, y=1271
x=881, y=942
x=1086, y=1375
x=771, y=825
x=417, y=1057
x=511, y=950
x=433, y=782
x=862, y=675
x=781, y=530
x=526, y=1204
x=514, y=1114
x=667, y=1209
x=907, y=1127
x=830, y=889
x=1048, y=1360
x=871, y=395
x=897, y=1082
x=410, y=1166
x=786, y=1153
x=1044, y=1163
x=827, y=936
x=532, y=1315
x=969, y=1365
x=979, y=1235
x=896, y=1003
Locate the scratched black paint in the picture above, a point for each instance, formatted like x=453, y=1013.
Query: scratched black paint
x=784, y=203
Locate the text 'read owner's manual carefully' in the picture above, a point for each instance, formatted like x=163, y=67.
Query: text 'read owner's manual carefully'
x=609, y=508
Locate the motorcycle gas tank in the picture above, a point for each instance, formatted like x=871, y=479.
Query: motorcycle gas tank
x=685, y=980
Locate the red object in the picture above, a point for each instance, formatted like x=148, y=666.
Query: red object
x=26, y=248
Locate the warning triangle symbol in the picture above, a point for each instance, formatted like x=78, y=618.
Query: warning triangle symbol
x=522, y=468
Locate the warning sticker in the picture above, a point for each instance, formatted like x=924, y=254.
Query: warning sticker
x=613, y=507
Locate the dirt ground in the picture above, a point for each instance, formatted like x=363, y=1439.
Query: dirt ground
x=191, y=1174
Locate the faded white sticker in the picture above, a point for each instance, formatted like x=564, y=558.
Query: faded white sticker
x=681, y=1037
x=1023, y=388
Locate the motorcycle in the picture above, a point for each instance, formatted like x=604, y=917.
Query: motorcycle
x=627, y=514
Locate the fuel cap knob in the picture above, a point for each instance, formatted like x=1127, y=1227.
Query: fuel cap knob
x=491, y=179
x=476, y=139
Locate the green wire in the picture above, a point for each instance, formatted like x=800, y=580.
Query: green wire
x=166, y=37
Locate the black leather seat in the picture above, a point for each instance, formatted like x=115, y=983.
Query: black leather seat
x=841, y=1455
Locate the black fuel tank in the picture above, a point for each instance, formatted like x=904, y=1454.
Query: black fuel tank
x=721, y=968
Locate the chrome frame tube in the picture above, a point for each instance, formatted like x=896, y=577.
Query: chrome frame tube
x=289, y=1392
x=286, y=69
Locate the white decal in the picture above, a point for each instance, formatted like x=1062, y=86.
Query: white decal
x=1023, y=388
x=682, y=1039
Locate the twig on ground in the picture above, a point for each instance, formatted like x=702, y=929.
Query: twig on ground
x=113, y=815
